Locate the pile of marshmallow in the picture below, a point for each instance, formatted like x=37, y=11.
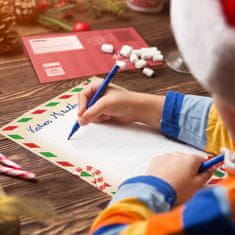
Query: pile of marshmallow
x=138, y=57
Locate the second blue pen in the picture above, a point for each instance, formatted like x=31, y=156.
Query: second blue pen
x=97, y=95
x=210, y=163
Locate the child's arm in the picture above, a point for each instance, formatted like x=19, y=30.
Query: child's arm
x=121, y=105
x=188, y=118
x=141, y=203
x=194, y=120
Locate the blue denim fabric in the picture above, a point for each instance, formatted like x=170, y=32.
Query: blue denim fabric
x=193, y=120
x=186, y=116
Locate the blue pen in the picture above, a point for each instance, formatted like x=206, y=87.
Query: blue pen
x=97, y=95
x=210, y=163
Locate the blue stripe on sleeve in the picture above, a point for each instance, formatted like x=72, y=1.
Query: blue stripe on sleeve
x=110, y=229
x=203, y=214
x=152, y=185
x=171, y=114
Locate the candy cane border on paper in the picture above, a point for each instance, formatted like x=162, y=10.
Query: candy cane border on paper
x=90, y=174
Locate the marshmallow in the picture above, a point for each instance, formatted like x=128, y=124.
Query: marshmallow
x=122, y=64
x=126, y=50
x=107, y=48
x=157, y=53
x=139, y=64
x=148, y=72
x=157, y=57
x=137, y=52
x=133, y=57
x=152, y=49
x=146, y=55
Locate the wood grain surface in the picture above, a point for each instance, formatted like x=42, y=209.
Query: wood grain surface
x=76, y=202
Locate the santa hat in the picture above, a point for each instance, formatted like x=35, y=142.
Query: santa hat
x=205, y=34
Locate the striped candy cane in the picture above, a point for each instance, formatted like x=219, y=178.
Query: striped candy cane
x=4, y=160
x=98, y=178
x=17, y=173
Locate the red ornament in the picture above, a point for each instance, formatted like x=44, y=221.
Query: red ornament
x=43, y=5
x=63, y=1
x=81, y=26
x=68, y=14
x=61, y=4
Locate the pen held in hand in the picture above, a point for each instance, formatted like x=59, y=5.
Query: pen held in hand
x=97, y=95
x=210, y=163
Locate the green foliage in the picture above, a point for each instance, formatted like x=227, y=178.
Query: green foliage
x=97, y=7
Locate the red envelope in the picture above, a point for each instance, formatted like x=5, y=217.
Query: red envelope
x=72, y=55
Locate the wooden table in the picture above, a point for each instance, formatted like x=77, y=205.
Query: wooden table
x=76, y=202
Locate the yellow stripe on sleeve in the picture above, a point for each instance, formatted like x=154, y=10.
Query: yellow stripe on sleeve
x=136, y=228
x=217, y=134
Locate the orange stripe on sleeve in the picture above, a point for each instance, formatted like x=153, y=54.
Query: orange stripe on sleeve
x=126, y=211
x=118, y=218
x=136, y=228
x=166, y=223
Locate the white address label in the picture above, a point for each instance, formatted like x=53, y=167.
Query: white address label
x=55, y=44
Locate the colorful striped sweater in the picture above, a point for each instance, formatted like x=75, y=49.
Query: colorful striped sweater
x=143, y=204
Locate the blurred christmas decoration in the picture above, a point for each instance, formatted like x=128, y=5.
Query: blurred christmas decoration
x=97, y=7
x=9, y=39
x=25, y=10
x=55, y=14
x=81, y=26
x=13, y=208
x=59, y=15
x=62, y=13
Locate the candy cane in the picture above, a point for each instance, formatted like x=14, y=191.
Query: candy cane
x=4, y=160
x=98, y=178
x=17, y=173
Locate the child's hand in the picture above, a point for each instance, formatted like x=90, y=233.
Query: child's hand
x=120, y=105
x=180, y=170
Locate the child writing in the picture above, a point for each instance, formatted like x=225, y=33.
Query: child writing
x=169, y=198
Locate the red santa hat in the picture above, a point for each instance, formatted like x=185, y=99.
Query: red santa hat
x=205, y=34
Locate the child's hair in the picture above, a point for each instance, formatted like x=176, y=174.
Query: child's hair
x=205, y=33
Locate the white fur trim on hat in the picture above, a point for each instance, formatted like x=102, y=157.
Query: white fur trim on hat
x=207, y=44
